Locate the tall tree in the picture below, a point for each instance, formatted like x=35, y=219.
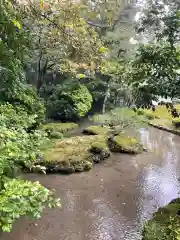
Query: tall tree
x=157, y=63
x=61, y=38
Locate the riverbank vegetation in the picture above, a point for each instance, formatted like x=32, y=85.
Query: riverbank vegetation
x=165, y=223
x=162, y=118
x=62, y=61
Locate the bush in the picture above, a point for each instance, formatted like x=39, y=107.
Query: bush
x=26, y=98
x=165, y=223
x=19, y=198
x=69, y=103
x=16, y=117
x=176, y=122
x=19, y=148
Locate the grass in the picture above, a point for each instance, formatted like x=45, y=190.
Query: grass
x=165, y=223
x=96, y=130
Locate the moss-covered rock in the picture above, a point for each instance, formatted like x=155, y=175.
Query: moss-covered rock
x=75, y=154
x=96, y=130
x=100, y=151
x=125, y=144
x=165, y=223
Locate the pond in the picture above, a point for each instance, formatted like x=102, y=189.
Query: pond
x=113, y=200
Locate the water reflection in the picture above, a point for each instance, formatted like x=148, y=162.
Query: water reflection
x=159, y=183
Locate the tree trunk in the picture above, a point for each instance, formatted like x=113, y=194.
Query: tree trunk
x=38, y=84
x=106, y=98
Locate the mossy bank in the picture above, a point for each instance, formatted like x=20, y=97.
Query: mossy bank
x=75, y=154
x=165, y=223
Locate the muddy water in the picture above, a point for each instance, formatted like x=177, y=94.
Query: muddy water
x=113, y=200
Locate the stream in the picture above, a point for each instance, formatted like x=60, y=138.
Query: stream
x=112, y=201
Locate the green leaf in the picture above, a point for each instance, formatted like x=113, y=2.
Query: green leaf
x=17, y=24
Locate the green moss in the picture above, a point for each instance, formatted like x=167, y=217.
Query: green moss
x=165, y=124
x=140, y=111
x=125, y=144
x=59, y=127
x=150, y=115
x=96, y=130
x=100, y=150
x=56, y=135
x=176, y=122
x=72, y=154
x=100, y=146
x=165, y=223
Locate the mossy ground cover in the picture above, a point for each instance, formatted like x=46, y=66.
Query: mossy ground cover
x=165, y=223
x=125, y=144
x=96, y=130
x=79, y=153
x=163, y=119
x=59, y=127
x=73, y=154
x=76, y=154
x=56, y=130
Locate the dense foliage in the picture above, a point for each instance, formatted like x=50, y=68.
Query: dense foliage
x=69, y=103
x=18, y=148
x=20, y=141
x=164, y=223
x=156, y=64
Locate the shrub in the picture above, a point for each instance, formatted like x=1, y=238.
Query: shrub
x=19, y=148
x=69, y=103
x=26, y=98
x=176, y=122
x=19, y=198
x=16, y=117
x=165, y=223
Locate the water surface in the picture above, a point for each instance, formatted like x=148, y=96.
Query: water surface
x=112, y=201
